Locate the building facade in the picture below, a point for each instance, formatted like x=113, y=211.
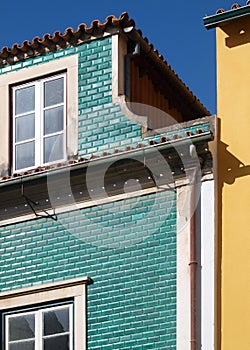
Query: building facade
x=107, y=196
x=233, y=225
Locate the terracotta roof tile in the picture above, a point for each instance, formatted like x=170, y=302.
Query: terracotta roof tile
x=164, y=139
x=151, y=143
x=71, y=37
x=233, y=7
x=58, y=40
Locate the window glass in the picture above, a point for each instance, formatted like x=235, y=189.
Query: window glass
x=59, y=342
x=27, y=345
x=56, y=321
x=53, y=120
x=53, y=92
x=25, y=127
x=22, y=327
x=25, y=100
x=53, y=148
x=25, y=155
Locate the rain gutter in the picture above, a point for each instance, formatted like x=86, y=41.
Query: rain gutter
x=205, y=137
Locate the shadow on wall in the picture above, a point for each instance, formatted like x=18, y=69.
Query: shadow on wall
x=4, y=171
x=230, y=166
x=230, y=169
x=237, y=34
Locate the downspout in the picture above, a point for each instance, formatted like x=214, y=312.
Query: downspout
x=193, y=267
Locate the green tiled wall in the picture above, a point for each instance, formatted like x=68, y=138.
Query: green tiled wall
x=132, y=260
x=128, y=249
x=102, y=125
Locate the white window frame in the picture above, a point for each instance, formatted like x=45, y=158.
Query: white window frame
x=53, y=293
x=38, y=314
x=39, y=136
x=69, y=64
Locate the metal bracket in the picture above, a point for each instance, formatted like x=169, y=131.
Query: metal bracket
x=32, y=205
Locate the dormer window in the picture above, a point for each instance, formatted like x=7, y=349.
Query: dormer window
x=39, y=122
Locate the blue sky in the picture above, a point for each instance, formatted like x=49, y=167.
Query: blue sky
x=174, y=27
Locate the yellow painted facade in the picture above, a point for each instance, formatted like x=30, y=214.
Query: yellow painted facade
x=233, y=111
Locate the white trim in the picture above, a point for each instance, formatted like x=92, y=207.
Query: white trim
x=207, y=265
x=143, y=120
x=115, y=67
x=205, y=262
x=69, y=64
x=119, y=51
x=75, y=288
x=183, y=269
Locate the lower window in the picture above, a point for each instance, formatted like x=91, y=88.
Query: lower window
x=51, y=316
x=46, y=328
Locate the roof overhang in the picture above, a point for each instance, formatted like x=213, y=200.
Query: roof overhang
x=152, y=166
x=221, y=18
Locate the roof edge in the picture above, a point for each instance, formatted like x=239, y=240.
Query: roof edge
x=58, y=40
x=111, y=26
x=165, y=143
x=159, y=60
x=223, y=17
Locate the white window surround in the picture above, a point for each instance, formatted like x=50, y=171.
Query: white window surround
x=75, y=289
x=119, y=51
x=70, y=66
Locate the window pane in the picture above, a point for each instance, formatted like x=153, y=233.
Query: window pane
x=59, y=343
x=53, y=92
x=53, y=120
x=25, y=127
x=21, y=327
x=25, y=100
x=53, y=148
x=28, y=345
x=25, y=155
x=56, y=321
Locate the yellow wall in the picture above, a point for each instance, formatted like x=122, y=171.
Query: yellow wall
x=233, y=101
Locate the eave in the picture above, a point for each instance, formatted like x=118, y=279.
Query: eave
x=111, y=26
x=157, y=61
x=222, y=17
x=62, y=187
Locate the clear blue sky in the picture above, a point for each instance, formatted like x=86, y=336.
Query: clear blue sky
x=174, y=27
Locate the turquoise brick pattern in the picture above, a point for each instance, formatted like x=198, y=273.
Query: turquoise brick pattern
x=101, y=124
x=130, y=256
x=132, y=260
